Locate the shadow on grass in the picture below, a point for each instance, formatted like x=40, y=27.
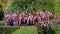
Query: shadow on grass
x=49, y=31
x=8, y=30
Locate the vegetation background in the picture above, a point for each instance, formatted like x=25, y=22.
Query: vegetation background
x=31, y=5
x=28, y=6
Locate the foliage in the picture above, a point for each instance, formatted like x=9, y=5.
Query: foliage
x=32, y=5
x=18, y=30
x=3, y=3
x=56, y=28
x=57, y=6
x=1, y=14
x=7, y=30
x=26, y=30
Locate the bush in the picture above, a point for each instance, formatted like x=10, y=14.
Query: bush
x=18, y=30
x=8, y=30
x=1, y=14
x=56, y=28
x=32, y=5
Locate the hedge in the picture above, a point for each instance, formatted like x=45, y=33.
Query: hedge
x=8, y=30
x=18, y=30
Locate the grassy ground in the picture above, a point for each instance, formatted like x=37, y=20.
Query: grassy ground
x=18, y=30
x=26, y=30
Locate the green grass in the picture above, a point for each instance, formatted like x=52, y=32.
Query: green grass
x=26, y=30
x=18, y=30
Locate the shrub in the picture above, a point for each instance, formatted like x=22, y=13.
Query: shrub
x=1, y=13
x=18, y=30
x=32, y=5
